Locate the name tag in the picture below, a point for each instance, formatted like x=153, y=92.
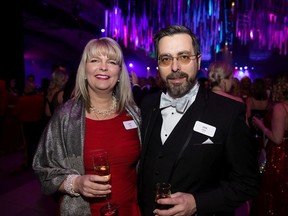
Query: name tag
x=129, y=124
x=205, y=129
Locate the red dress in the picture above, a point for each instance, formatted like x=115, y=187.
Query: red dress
x=123, y=147
x=272, y=199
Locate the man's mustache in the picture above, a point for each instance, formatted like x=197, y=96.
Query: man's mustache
x=177, y=75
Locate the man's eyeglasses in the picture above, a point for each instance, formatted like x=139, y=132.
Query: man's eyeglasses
x=183, y=59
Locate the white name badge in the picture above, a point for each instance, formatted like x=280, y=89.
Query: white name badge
x=129, y=124
x=205, y=129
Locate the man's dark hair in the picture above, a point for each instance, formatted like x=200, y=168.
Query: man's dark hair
x=176, y=29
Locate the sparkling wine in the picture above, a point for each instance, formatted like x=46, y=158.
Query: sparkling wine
x=103, y=171
x=102, y=168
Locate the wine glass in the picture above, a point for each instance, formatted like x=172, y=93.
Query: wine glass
x=163, y=190
x=102, y=168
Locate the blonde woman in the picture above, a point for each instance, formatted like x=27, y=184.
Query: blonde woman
x=55, y=91
x=101, y=115
x=273, y=196
x=220, y=75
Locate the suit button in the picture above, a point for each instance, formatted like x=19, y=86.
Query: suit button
x=156, y=172
x=160, y=156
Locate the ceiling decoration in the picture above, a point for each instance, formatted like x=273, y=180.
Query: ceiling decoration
x=136, y=29
x=263, y=24
x=218, y=23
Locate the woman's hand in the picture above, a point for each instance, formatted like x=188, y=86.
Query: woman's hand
x=258, y=123
x=92, y=185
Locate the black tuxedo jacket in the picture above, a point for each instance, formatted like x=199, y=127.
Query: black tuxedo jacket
x=219, y=168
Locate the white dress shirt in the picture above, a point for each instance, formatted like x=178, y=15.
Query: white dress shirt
x=171, y=117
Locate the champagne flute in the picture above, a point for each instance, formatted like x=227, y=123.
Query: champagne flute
x=163, y=190
x=102, y=168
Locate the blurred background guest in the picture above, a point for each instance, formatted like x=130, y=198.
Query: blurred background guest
x=257, y=105
x=268, y=79
x=29, y=111
x=220, y=75
x=12, y=138
x=272, y=199
x=245, y=87
x=235, y=89
x=55, y=92
x=30, y=85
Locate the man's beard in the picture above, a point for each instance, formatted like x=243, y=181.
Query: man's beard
x=177, y=90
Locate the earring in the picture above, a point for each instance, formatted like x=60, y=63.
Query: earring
x=118, y=80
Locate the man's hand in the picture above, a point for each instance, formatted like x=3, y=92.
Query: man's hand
x=184, y=205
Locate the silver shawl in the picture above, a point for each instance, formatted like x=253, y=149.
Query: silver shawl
x=60, y=153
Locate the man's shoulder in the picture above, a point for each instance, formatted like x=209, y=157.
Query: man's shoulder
x=226, y=102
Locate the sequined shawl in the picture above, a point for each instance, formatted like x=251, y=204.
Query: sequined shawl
x=60, y=152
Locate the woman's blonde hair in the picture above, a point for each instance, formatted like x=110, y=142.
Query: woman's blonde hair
x=59, y=78
x=107, y=47
x=280, y=87
x=218, y=71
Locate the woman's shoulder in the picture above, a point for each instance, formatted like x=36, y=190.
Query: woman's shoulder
x=71, y=105
x=280, y=107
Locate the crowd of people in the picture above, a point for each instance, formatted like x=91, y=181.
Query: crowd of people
x=26, y=111
x=220, y=142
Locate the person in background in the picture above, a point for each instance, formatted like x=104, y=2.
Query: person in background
x=43, y=88
x=55, y=91
x=12, y=135
x=101, y=115
x=29, y=110
x=258, y=102
x=194, y=139
x=12, y=87
x=137, y=91
x=268, y=79
x=245, y=87
x=30, y=85
x=159, y=82
x=220, y=75
x=235, y=89
x=153, y=87
x=272, y=199
x=257, y=105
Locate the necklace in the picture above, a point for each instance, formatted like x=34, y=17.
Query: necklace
x=105, y=112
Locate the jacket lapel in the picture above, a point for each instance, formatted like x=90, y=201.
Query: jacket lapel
x=187, y=122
